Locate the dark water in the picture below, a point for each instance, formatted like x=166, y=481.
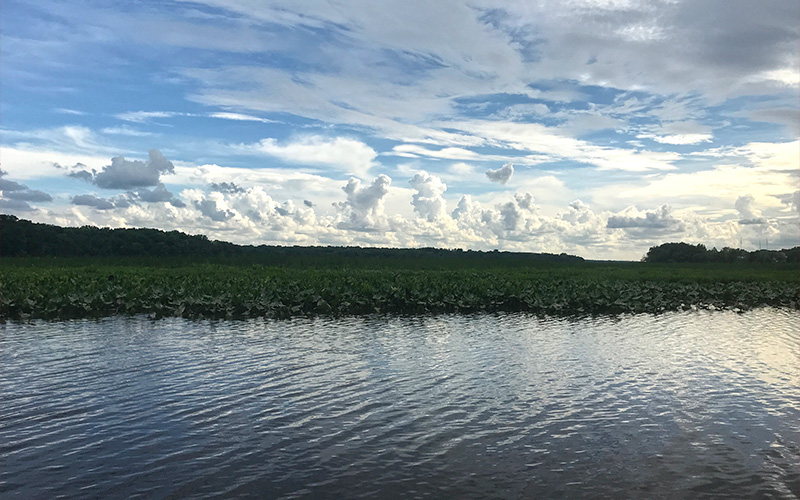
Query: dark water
x=685, y=405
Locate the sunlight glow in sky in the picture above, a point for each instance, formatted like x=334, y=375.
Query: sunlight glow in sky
x=593, y=127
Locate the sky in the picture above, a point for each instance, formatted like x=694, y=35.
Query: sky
x=598, y=128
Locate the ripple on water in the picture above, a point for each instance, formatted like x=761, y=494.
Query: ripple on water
x=491, y=406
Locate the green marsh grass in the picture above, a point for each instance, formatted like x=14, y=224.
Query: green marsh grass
x=60, y=288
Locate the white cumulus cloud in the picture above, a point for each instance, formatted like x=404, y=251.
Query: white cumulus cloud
x=502, y=174
x=363, y=209
x=428, y=201
x=748, y=215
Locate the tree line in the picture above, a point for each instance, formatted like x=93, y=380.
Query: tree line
x=23, y=238
x=685, y=252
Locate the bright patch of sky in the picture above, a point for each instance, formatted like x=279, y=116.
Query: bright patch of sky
x=593, y=128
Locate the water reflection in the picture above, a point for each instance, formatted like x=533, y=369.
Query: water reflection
x=487, y=406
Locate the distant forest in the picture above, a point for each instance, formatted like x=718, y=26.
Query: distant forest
x=684, y=252
x=23, y=238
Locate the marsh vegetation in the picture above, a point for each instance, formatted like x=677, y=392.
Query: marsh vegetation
x=57, y=273
x=73, y=288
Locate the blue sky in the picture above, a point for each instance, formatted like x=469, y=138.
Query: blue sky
x=598, y=128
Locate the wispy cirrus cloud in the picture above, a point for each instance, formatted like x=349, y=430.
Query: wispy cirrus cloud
x=239, y=117
x=146, y=116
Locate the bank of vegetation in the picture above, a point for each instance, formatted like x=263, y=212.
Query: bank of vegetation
x=23, y=238
x=684, y=252
x=281, y=282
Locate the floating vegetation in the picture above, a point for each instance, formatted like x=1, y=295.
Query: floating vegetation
x=59, y=290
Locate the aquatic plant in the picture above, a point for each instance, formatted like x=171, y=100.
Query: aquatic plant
x=75, y=289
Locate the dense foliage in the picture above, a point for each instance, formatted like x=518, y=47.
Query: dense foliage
x=19, y=237
x=684, y=252
x=82, y=288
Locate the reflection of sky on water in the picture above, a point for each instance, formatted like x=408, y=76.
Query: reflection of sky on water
x=484, y=405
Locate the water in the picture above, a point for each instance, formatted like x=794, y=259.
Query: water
x=683, y=405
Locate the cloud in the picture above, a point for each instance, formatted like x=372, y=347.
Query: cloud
x=515, y=222
x=461, y=170
x=363, y=208
x=90, y=200
x=648, y=224
x=510, y=215
x=7, y=185
x=14, y=196
x=529, y=83
x=524, y=200
x=68, y=140
x=771, y=156
x=682, y=139
x=126, y=131
x=512, y=224
x=9, y=205
x=621, y=38
x=428, y=201
x=159, y=194
x=240, y=117
x=550, y=144
x=784, y=116
x=128, y=174
x=12, y=190
x=414, y=151
x=83, y=175
x=67, y=111
x=227, y=187
x=146, y=116
x=502, y=174
x=250, y=215
x=349, y=155
x=748, y=215
x=214, y=207
x=580, y=225
x=791, y=200
x=503, y=49
x=26, y=194
x=678, y=132
x=524, y=111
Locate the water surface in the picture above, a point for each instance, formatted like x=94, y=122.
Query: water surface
x=680, y=405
